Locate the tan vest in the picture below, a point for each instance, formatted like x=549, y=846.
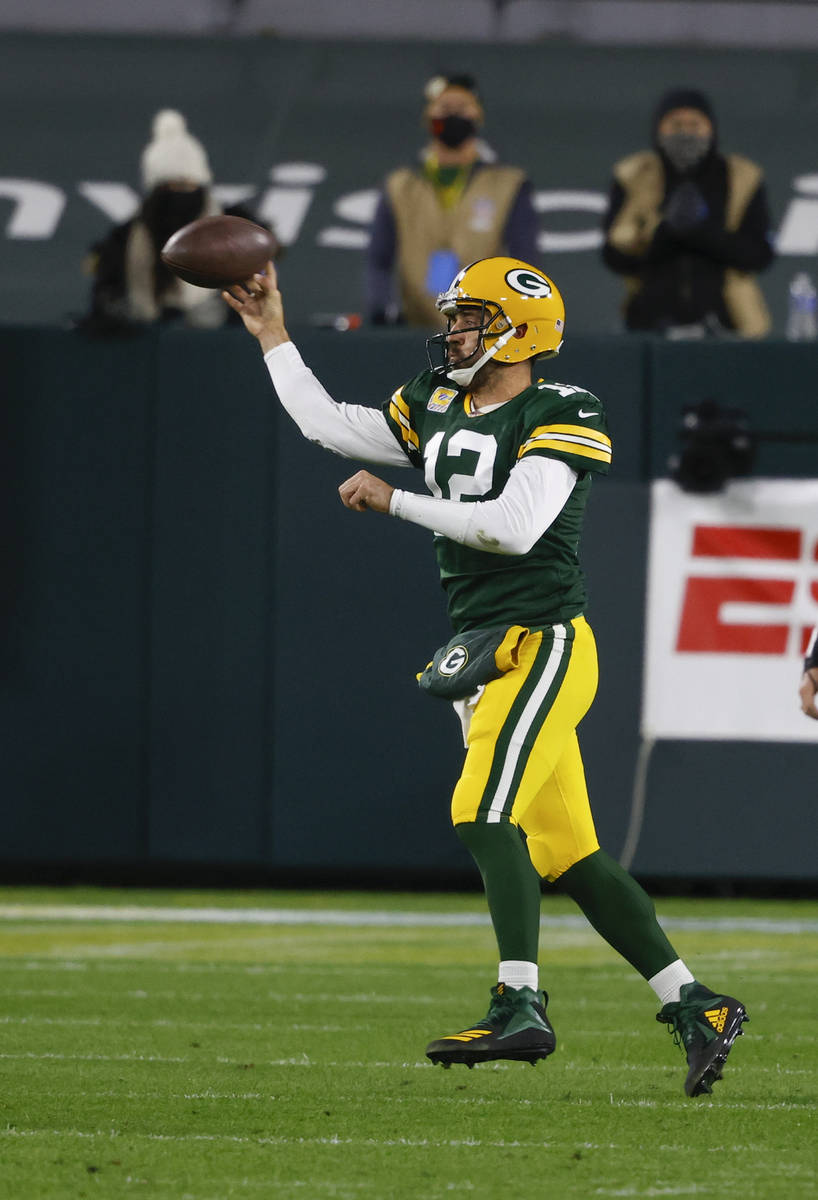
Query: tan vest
x=642, y=178
x=471, y=229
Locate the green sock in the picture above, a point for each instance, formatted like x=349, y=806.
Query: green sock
x=512, y=886
x=620, y=911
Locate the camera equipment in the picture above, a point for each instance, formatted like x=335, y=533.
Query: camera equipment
x=716, y=445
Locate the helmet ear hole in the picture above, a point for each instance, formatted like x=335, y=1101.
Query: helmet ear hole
x=498, y=324
x=521, y=331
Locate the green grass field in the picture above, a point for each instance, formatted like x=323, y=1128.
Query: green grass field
x=195, y=1055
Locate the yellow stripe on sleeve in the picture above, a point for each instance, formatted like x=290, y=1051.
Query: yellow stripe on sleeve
x=566, y=446
x=576, y=430
x=570, y=439
x=407, y=432
x=398, y=400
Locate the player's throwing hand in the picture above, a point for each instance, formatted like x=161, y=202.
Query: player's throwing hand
x=258, y=302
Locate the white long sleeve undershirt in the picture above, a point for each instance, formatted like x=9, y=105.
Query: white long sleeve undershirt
x=534, y=495
x=351, y=430
x=535, y=492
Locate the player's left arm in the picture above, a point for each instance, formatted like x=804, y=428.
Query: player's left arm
x=565, y=436
x=531, y=500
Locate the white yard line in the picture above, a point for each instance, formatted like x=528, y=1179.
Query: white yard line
x=149, y=914
x=334, y=1140
x=164, y=1023
x=29, y=1054
x=399, y=1143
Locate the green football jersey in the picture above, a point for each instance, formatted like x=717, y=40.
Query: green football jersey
x=468, y=456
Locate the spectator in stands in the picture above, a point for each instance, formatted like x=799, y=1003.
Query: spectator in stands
x=688, y=227
x=131, y=285
x=809, y=680
x=455, y=206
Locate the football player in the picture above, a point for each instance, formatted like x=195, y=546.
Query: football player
x=509, y=460
x=808, y=690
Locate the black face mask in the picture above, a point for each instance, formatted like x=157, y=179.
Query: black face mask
x=685, y=151
x=165, y=210
x=453, y=130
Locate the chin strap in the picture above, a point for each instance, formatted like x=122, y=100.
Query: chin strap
x=463, y=376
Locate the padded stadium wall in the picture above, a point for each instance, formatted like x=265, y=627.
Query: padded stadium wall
x=207, y=664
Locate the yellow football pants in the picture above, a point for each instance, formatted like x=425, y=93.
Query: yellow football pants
x=523, y=762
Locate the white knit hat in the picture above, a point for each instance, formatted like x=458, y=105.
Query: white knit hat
x=174, y=153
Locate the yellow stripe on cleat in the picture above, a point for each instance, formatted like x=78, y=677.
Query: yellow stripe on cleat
x=717, y=1018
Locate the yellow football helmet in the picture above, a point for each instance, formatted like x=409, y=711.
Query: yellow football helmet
x=521, y=315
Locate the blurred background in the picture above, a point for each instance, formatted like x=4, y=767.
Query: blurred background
x=207, y=666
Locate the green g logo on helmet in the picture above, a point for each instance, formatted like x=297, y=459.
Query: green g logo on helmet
x=528, y=283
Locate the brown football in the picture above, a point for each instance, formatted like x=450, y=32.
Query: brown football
x=215, y=252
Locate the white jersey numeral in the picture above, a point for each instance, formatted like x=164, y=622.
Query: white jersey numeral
x=564, y=389
x=478, y=483
x=430, y=453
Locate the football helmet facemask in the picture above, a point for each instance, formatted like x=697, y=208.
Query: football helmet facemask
x=517, y=311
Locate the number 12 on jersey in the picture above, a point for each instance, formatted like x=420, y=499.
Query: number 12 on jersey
x=457, y=484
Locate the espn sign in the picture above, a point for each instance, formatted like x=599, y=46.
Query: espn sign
x=732, y=599
x=702, y=626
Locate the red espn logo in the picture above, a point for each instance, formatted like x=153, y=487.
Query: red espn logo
x=701, y=629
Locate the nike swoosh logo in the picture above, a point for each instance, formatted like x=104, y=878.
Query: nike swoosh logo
x=580, y=413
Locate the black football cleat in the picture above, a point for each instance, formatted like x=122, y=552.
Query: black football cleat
x=706, y=1024
x=515, y=1027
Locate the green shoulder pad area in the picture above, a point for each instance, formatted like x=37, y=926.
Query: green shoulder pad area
x=567, y=422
